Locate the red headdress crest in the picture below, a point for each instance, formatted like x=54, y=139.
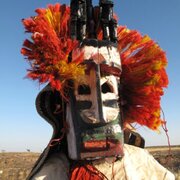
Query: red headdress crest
x=143, y=63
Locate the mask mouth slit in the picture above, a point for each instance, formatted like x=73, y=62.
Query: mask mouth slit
x=111, y=103
x=84, y=105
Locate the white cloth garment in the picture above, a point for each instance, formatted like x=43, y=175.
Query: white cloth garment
x=137, y=164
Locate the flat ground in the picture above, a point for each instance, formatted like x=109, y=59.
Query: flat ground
x=169, y=159
x=16, y=166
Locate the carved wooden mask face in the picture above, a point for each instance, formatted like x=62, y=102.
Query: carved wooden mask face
x=93, y=112
x=97, y=97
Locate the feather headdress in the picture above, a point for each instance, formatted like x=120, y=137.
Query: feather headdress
x=50, y=46
x=143, y=78
x=143, y=63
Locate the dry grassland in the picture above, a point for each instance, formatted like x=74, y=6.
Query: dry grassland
x=16, y=166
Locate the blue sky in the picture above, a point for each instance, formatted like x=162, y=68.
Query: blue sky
x=22, y=128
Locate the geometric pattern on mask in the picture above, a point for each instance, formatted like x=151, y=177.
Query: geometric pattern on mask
x=102, y=141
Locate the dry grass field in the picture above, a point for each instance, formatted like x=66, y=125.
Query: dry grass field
x=16, y=166
x=170, y=160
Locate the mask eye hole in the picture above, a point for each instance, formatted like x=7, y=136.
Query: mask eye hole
x=84, y=89
x=106, y=88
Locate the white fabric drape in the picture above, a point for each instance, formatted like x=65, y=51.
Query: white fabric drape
x=137, y=164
